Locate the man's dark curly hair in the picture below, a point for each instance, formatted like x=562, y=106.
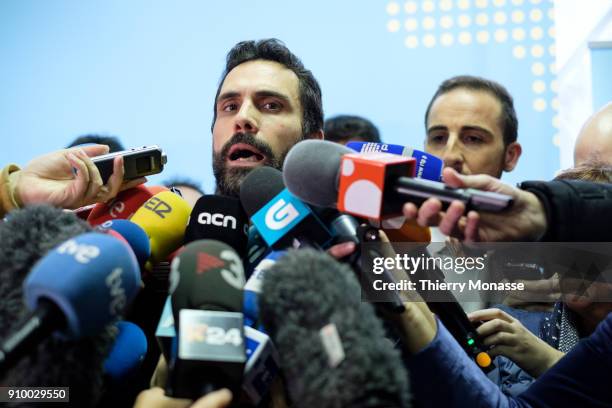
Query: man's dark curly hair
x=274, y=50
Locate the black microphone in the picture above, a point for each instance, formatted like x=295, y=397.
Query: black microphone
x=370, y=185
x=281, y=219
x=206, y=281
x=332, y=347
x=220, y=218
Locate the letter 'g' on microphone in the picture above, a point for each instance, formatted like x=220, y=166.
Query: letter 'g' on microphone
x=164, y=218
x=280, y=218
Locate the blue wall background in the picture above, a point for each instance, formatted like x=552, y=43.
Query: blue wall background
x=147, y=71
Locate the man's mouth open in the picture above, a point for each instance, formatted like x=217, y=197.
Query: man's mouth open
x=244, y=155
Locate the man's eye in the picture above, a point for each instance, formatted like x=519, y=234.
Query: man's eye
x=473, y=139
x=229, y=107
x=437, y=139
x=274, y=106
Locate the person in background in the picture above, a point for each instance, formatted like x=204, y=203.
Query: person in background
x=113, y=143
x=595, y=139
x=528, y=355
x=471, y=124
x=190, y=190
x=349, y=128
x=266, y=102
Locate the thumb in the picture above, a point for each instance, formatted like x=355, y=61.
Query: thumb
x=215, y=399
x=95, y=150
x=481, y=181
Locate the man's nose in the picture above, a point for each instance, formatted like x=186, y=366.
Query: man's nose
x=453, y=154
x=246, y=120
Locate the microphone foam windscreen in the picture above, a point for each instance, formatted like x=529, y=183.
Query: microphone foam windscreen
x=311, y=171
x=163, y=218
x=260, y=186
x=303, y=293
x=220, y=218
x=26, y=235
x=128, y=351
x=133, y=234
x=206, y=275
x=100, y=277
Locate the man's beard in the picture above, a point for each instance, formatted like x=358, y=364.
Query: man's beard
x=229, y=179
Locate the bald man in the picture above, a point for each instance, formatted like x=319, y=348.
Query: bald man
x=595, y=138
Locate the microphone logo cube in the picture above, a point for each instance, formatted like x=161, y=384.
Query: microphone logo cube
x=210, y=335
x=279, y=216
x=362, y=181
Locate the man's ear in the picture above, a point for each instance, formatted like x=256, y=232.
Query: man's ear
x=511, y=156
x=316, y=135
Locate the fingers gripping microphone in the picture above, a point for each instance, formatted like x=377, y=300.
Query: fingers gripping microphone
x=332, y=347
x=221, y=218
x=206, y=282
x=428, y=166
x=281, y=219
x=163, y=218
x=371, y=185
x=60, y=288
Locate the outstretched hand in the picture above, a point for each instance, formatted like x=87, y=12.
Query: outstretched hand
x=524, y=220
x=68, y=179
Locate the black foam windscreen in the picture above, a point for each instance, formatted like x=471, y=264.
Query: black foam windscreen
x=311, y=170
x=206, y=275
x=26, y=236
x=259, y=187
x=303, y=293
x=220, y=218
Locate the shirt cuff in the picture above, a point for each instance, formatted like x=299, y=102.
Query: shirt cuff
x=8, y=201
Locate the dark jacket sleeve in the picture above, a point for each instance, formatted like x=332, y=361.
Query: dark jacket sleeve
x=444, y=376
x=577, y=211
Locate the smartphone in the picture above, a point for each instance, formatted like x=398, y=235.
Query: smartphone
x=137, y=162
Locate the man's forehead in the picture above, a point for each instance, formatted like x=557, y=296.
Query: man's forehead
x=474, y=107
x=261, y=75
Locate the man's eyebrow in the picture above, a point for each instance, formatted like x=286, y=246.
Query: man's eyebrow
x=227, y=95
x=259, y=94
x=437, y=127
x=477, y=128
x=273, y=94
